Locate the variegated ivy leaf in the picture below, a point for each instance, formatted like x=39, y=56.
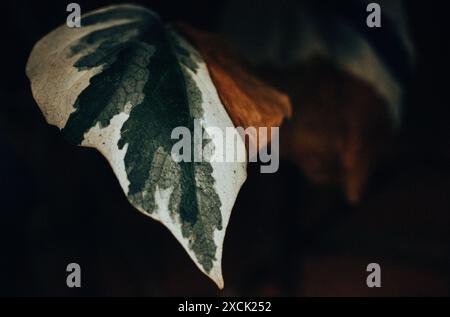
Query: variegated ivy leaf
x=121, y=83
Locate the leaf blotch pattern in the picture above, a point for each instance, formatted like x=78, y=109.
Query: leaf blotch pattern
x=145, y=75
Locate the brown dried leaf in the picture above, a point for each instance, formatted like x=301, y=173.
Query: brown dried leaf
x=340, y=129
x=249, y=101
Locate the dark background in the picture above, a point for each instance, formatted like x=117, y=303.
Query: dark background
x=61, y=204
